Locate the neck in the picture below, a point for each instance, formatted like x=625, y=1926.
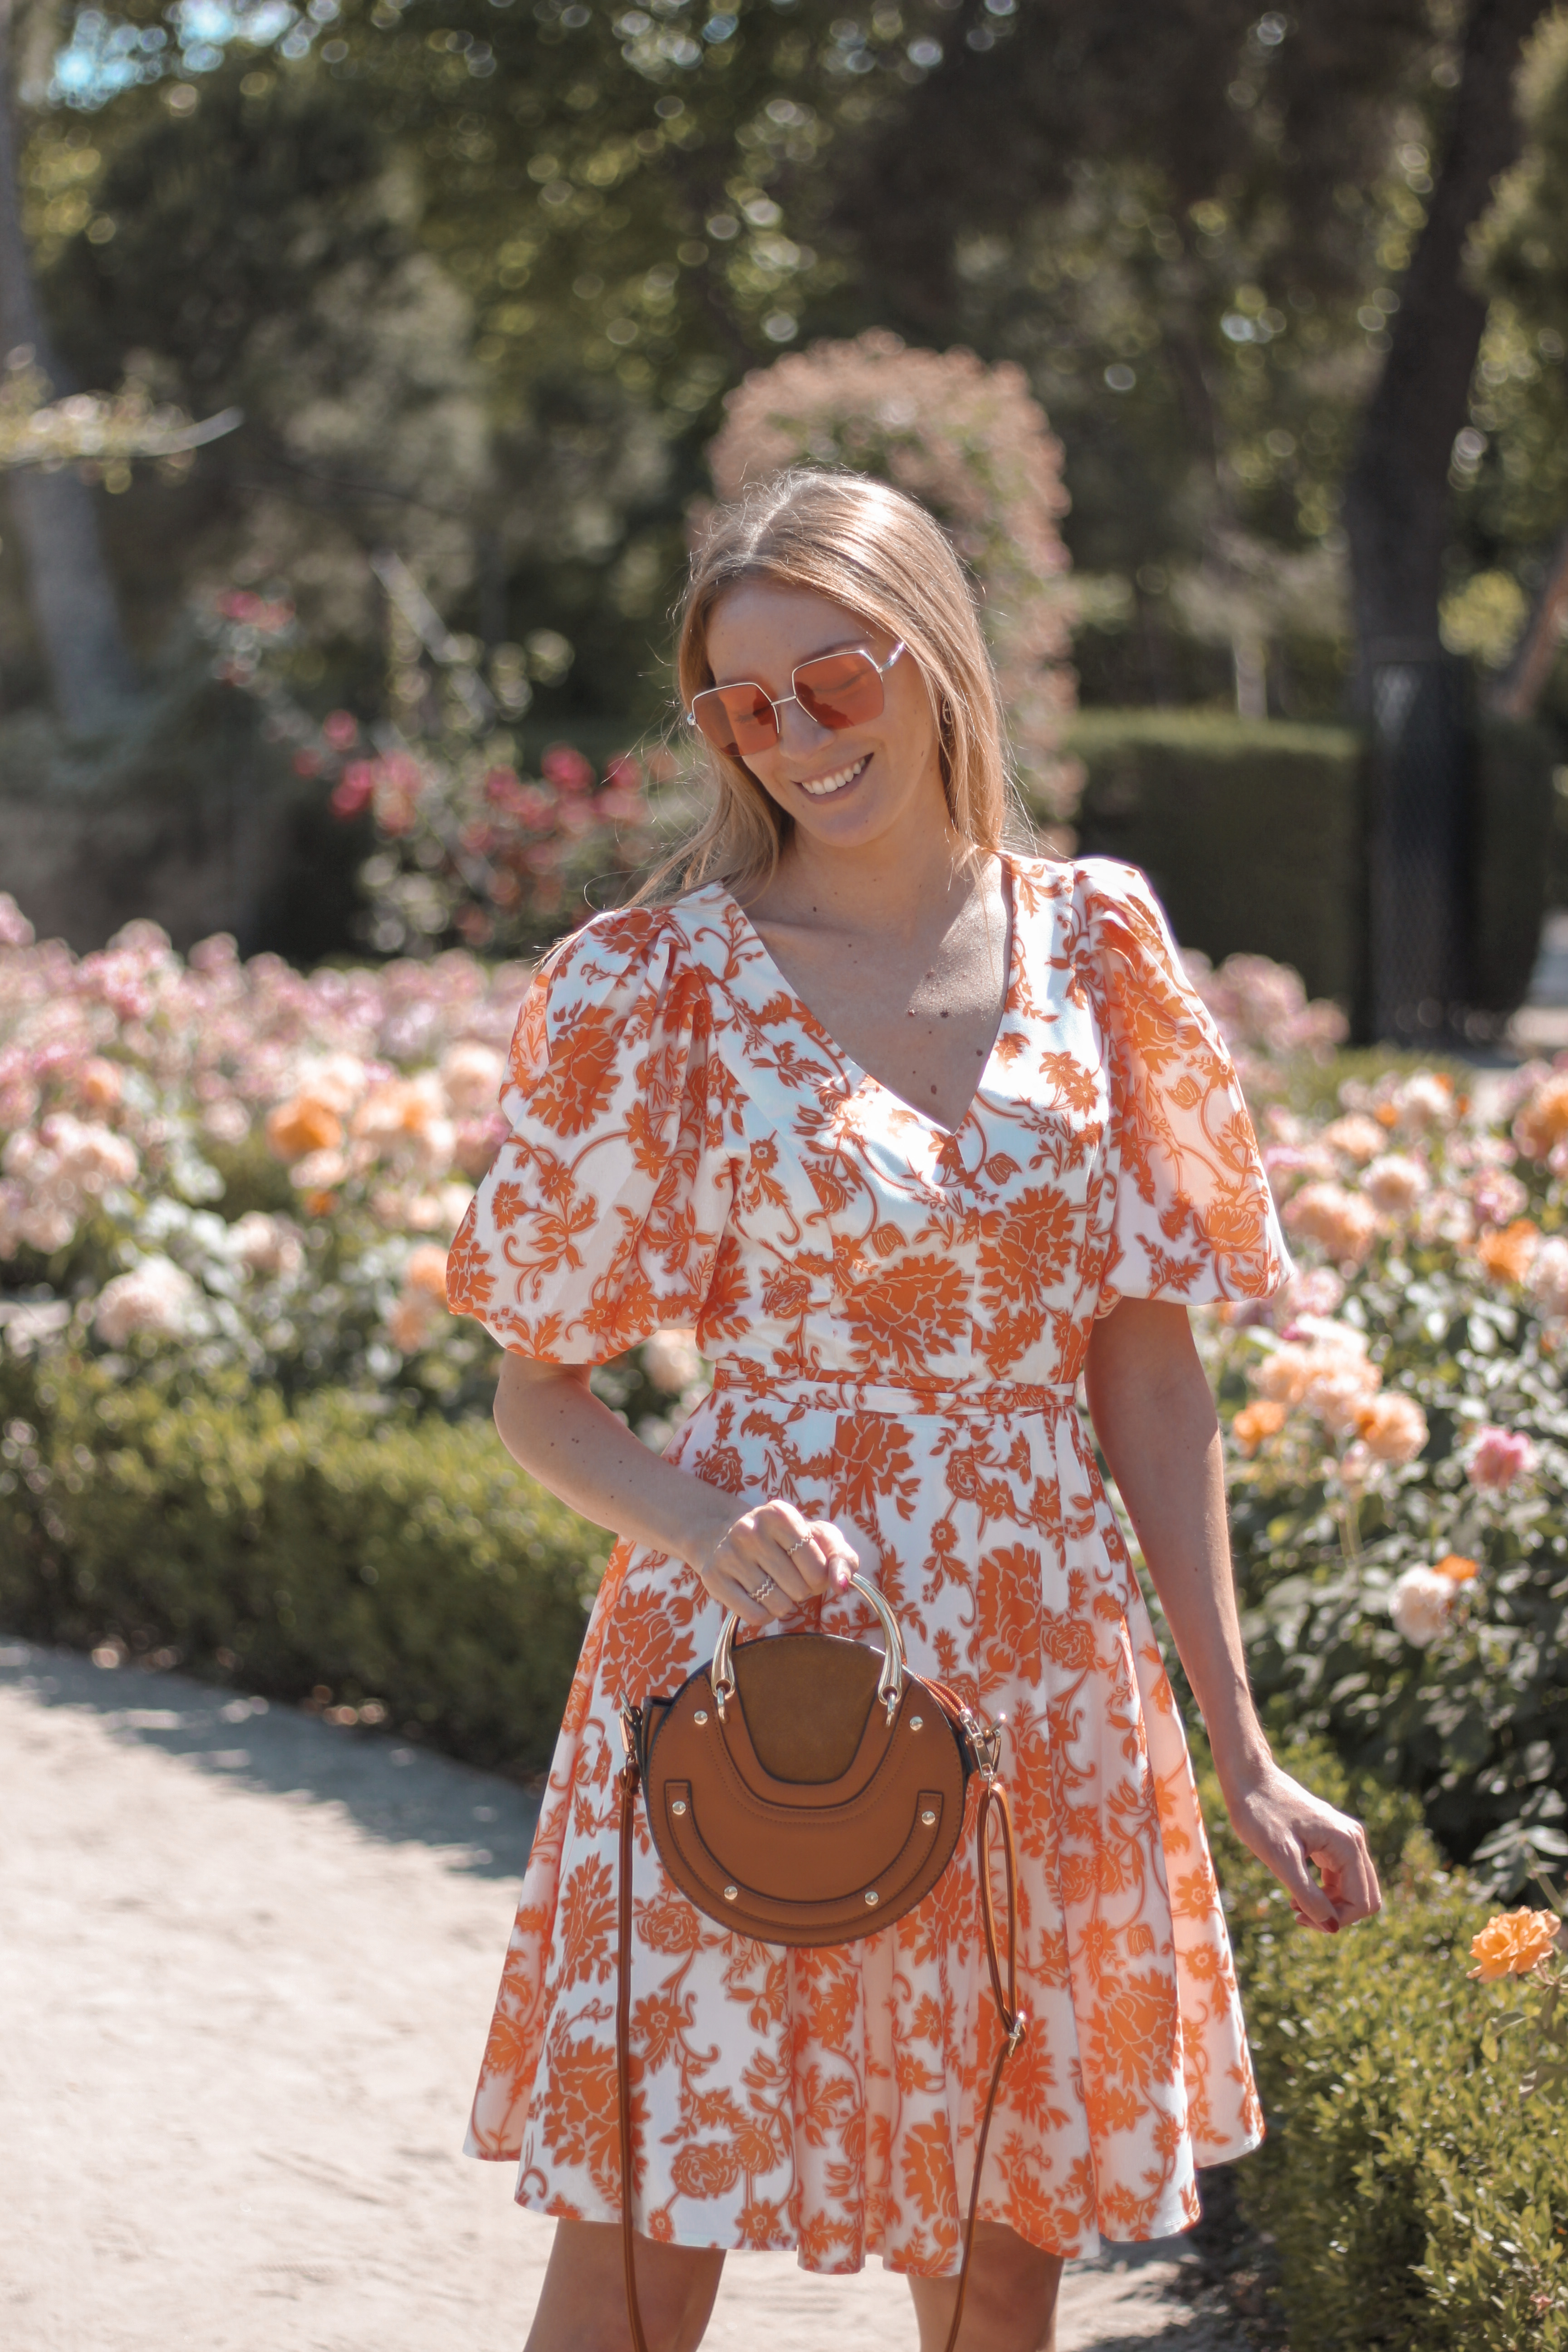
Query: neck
x=894, y=887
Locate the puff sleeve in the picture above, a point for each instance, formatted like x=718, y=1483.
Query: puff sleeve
x=602, y=1216
x=1194, y=1218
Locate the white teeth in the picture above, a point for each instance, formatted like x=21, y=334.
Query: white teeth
x=821, y=784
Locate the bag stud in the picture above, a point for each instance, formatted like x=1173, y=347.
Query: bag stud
x=680, y=1807
x=872, y=1896
x=731, y=1893
x=917, y=1723
x=700, y=1716
x=927, y=1818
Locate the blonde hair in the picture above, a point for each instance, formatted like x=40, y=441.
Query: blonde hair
x=880, y=555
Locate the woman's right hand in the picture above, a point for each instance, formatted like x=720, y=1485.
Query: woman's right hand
x=766, y=1561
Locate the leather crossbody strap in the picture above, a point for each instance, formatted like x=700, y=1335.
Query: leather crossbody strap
x=1005, y=1991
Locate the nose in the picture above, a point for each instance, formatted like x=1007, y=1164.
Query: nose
x=798, y=731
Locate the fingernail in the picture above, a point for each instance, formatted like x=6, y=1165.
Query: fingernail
x=1333, y=1927
x=841, y=1576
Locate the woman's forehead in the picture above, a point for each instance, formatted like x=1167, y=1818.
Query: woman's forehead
x=766, y=622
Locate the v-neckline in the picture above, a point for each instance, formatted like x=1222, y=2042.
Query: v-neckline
x=863, y=1077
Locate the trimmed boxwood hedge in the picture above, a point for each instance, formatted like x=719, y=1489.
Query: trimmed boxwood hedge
x=400, y=1562
x=1252, y=832
x=1416, y=2202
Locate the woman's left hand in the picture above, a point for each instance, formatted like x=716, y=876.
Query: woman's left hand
x=1291, y=1830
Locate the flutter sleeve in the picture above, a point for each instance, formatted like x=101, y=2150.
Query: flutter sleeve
x=602, y=1216
x=1193, y=1219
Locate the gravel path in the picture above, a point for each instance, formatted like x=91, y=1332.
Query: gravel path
x=246, y=1963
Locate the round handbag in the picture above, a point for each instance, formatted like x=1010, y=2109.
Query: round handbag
x=806, y=1788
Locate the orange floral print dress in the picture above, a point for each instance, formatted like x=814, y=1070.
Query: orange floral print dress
x=898, y=1318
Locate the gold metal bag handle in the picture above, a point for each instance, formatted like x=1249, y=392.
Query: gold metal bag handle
x=889, y=1681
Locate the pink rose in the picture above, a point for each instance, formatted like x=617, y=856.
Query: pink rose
x=1497, y=1457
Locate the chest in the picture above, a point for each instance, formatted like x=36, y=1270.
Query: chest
x=920, y=1023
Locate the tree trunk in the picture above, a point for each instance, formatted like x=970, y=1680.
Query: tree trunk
x=1397, y=514
x=72, y=597
x=1518, y=695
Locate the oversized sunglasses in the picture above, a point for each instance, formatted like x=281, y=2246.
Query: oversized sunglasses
x=836, y=690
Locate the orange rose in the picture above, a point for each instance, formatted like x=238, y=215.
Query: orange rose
x=301, y=1124
x=1512, y=1943
x=1506, y=1255
x=1264, y=1417
x=1457, y=1568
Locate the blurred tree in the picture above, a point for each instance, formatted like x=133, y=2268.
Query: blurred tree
x=1278, y=132
x=91, y=673
x=1512, y=460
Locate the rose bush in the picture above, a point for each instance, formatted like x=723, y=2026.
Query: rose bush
x=207, y=1165
x=472, y=847
x=1396, y=1431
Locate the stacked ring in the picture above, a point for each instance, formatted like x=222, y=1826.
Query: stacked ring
x=766, y=1586
x=801, y=1545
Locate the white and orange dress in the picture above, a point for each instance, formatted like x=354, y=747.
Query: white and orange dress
x=898, y=1316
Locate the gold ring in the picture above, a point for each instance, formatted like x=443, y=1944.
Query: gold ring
x=801, y=1545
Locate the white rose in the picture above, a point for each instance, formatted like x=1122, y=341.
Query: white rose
x=1420, y=1605
x=156, y=1296
x=671, y=1361
x=1394, y=1183
x=1547, y=1281
x=471, y=1075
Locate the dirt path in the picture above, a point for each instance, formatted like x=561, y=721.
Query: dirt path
x=246, y=1963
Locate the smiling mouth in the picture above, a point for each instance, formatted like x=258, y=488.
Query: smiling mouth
x=820, y=787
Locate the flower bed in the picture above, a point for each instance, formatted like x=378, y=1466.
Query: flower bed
x=1397, y=1441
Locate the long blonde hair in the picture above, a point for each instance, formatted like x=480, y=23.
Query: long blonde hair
x=880, y=555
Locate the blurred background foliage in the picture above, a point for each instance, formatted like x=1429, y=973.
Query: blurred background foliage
x=479, y=277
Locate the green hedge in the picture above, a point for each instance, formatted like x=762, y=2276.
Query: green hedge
x=1249, y=830
x=1252, y=832
x=1417, y=2203
x=406, y=1563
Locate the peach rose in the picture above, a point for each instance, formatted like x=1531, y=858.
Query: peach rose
x=1393, y=1428
x=426, y=1271
x=1507, y=1255
x=1395, y=1185
x=1343, y=1223
x=1457, y=1568
x=1512, y=1943
x=1264, y=1417
x=1542, y=1122
x=1355, y=1137
x=302, y=1125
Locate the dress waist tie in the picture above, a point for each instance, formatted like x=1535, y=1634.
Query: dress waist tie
x=842, y=1392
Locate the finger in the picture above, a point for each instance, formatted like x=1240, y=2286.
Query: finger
x=784, y=1547
x=1348, y=1879
x=841, y=1559
x=734, y=1593
x=1311, y=1902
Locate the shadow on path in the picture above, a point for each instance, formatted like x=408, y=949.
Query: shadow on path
x=405, y=1795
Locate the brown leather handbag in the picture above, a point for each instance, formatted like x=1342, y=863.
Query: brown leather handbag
x=809, y=1790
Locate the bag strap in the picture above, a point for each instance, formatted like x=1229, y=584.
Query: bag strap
x=1015, y=2022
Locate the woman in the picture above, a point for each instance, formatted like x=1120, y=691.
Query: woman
x=916, y=1132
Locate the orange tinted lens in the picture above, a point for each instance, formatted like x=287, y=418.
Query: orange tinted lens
x=736, y=719
x=840, y=690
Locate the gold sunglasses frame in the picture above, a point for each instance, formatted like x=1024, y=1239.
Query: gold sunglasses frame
x=881, y=669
